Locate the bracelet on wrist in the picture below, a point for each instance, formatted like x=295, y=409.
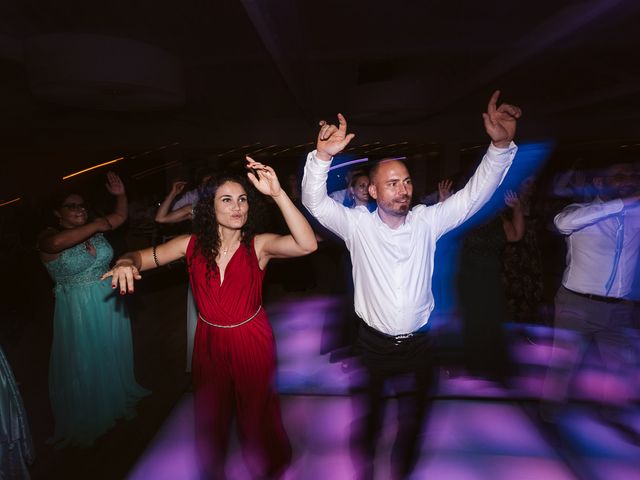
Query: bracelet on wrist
x=155, y=256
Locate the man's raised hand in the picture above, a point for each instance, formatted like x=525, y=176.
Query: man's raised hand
x=332, y=139
x=500, y=122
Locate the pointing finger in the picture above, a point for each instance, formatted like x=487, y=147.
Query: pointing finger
x=491, y=108
x=343, y=123
x=488, y=123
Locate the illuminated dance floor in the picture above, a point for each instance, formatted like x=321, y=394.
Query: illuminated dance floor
x=476, y=430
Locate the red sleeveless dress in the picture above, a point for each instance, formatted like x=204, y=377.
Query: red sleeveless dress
x=234, y=368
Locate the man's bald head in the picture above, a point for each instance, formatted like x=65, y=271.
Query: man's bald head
x=391, y=187
x=385, y=161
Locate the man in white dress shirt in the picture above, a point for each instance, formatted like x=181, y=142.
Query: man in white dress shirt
x=603, y=241
x=392, y=251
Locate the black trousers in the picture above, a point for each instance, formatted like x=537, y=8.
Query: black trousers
x=400, y=361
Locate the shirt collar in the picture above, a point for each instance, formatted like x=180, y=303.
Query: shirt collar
x=381, y=224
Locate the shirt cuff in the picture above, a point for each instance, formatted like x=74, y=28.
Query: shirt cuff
x=316, y=165
x=501, y=157
x=614, y=206
x=501, y=151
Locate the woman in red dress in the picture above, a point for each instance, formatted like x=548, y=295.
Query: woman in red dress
x=234, y=355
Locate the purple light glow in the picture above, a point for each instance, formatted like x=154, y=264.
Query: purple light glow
x=464, y=440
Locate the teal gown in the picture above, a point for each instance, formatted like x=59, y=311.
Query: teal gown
x=91, y=379
x=16, y=446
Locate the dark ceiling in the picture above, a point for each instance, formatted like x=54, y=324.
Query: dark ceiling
x=82, y=82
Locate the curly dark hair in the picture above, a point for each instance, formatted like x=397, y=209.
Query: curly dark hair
x=205, y=225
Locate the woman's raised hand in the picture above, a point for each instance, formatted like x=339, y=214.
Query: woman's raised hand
x=445, y=189
x=177, y=187
x=511, y=199
x=114, y=184
x=263, y=177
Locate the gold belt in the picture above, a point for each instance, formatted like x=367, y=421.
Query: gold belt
x=230, y=326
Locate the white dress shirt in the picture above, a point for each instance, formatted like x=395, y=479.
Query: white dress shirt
x=603, y=239
x=392, y=268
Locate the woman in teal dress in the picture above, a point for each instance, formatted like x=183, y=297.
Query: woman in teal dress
x=16, y=446
x=91, y=379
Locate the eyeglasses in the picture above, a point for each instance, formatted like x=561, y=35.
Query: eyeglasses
x=75, y=206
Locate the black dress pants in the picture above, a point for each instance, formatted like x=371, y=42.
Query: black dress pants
x=403, y=360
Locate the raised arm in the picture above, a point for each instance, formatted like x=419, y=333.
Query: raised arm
x=500, y=125
x=165, y=215
x=116, y=188
x=500, y=122
x=579, y=215
x=514, y=226
x=51, y=242
x=445, y=189
x=562, y=185
x=128, y=267
x=332, y=215
x=302, y=239
x=176, y=216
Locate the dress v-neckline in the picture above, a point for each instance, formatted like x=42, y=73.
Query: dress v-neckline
x=221, y=282
x=90, y=248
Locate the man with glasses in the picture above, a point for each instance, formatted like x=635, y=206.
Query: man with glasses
x=594, y=300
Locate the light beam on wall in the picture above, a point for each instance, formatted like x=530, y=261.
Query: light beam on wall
x=93, y=168
x=10, y=202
